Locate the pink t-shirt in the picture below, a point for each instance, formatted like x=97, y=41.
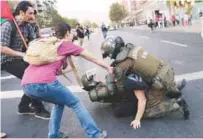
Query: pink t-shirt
x=47, y=73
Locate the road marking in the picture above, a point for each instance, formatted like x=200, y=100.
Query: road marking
x=144, y=37
x=190, y=76
x=19, y=93
x=7, y=77
x=174, y=43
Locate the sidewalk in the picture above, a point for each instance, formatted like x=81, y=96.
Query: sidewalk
x=195, y=28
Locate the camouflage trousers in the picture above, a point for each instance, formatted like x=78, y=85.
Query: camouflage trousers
x=165, y=76
x=158, y=107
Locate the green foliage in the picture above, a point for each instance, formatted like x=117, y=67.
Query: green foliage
x=94, y=25
x=117, y=12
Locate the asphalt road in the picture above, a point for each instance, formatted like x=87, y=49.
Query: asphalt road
x=183, y=51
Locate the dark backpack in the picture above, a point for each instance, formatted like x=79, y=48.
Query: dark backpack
x=14, y=29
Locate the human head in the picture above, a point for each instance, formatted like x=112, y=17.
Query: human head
x=63, y=31
x=25, y=11
x=78, y=25
x=33, y=21
x=111, y=46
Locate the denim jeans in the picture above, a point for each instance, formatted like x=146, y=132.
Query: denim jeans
x=61, y=96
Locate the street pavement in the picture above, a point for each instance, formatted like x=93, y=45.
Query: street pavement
x=183, y=51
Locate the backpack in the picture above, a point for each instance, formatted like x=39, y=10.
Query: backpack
x=14, y=29
x=43, y=51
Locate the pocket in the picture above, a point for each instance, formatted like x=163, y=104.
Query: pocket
x=34, y=89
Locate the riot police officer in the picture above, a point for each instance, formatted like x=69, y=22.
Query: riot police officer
x=140, y=83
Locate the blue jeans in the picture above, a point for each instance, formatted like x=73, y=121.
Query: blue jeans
x=60, y=95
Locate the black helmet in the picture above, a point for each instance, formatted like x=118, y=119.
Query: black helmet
x=111, y=47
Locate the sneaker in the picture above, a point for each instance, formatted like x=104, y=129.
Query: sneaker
x=102, y=135
x=183, y=104
x=63, y=135
x=181, y=84
x=3, y=135
x=44, y=114
x=26, y=111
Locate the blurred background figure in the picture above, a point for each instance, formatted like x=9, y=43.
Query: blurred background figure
x=80, y=34
x=151, y=24
x=104, y=30
x=201, y=20
x=173, y=19
x=186, y=18
x=87, y=32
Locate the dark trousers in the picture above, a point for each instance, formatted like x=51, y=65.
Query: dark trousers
x=127, y=108
x=17, y=68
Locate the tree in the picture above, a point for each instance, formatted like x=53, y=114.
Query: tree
x=172, y=5
x=49, y=5
x=94, y=25
x=117, y=12
x=71, y=22
x=49, y=17
x=87, y=23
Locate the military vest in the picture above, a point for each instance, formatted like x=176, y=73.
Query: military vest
x=145, y=64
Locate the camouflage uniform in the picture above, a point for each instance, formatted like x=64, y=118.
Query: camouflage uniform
x=154, y=72
x=156, y=105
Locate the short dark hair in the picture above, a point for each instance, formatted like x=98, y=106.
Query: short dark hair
x=22, y=6
x=61, y=30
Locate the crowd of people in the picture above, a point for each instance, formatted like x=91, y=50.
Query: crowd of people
x=160, y=20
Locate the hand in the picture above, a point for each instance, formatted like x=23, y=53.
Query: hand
x=59, y=72
x=110, y=70
x=135, y=124
x=64, y=66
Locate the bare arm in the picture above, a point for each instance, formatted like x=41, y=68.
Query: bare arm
x=141, y=104
x=8, y=51
x=85, y=54
x=141, y=108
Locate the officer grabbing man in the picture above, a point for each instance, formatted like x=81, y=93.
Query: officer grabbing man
x=139, y=85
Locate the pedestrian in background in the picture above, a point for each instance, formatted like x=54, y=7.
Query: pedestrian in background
x=190, y=20
x=186, y=18
x=87, y=32
x=173, y=20
x=104, y=30
x=80, y=34
x=201, y=22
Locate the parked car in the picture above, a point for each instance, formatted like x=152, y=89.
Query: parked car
x=111, y=28
x=46, y=32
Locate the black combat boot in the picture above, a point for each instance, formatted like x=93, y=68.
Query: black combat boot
x=181, y=84
x=184, y=105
